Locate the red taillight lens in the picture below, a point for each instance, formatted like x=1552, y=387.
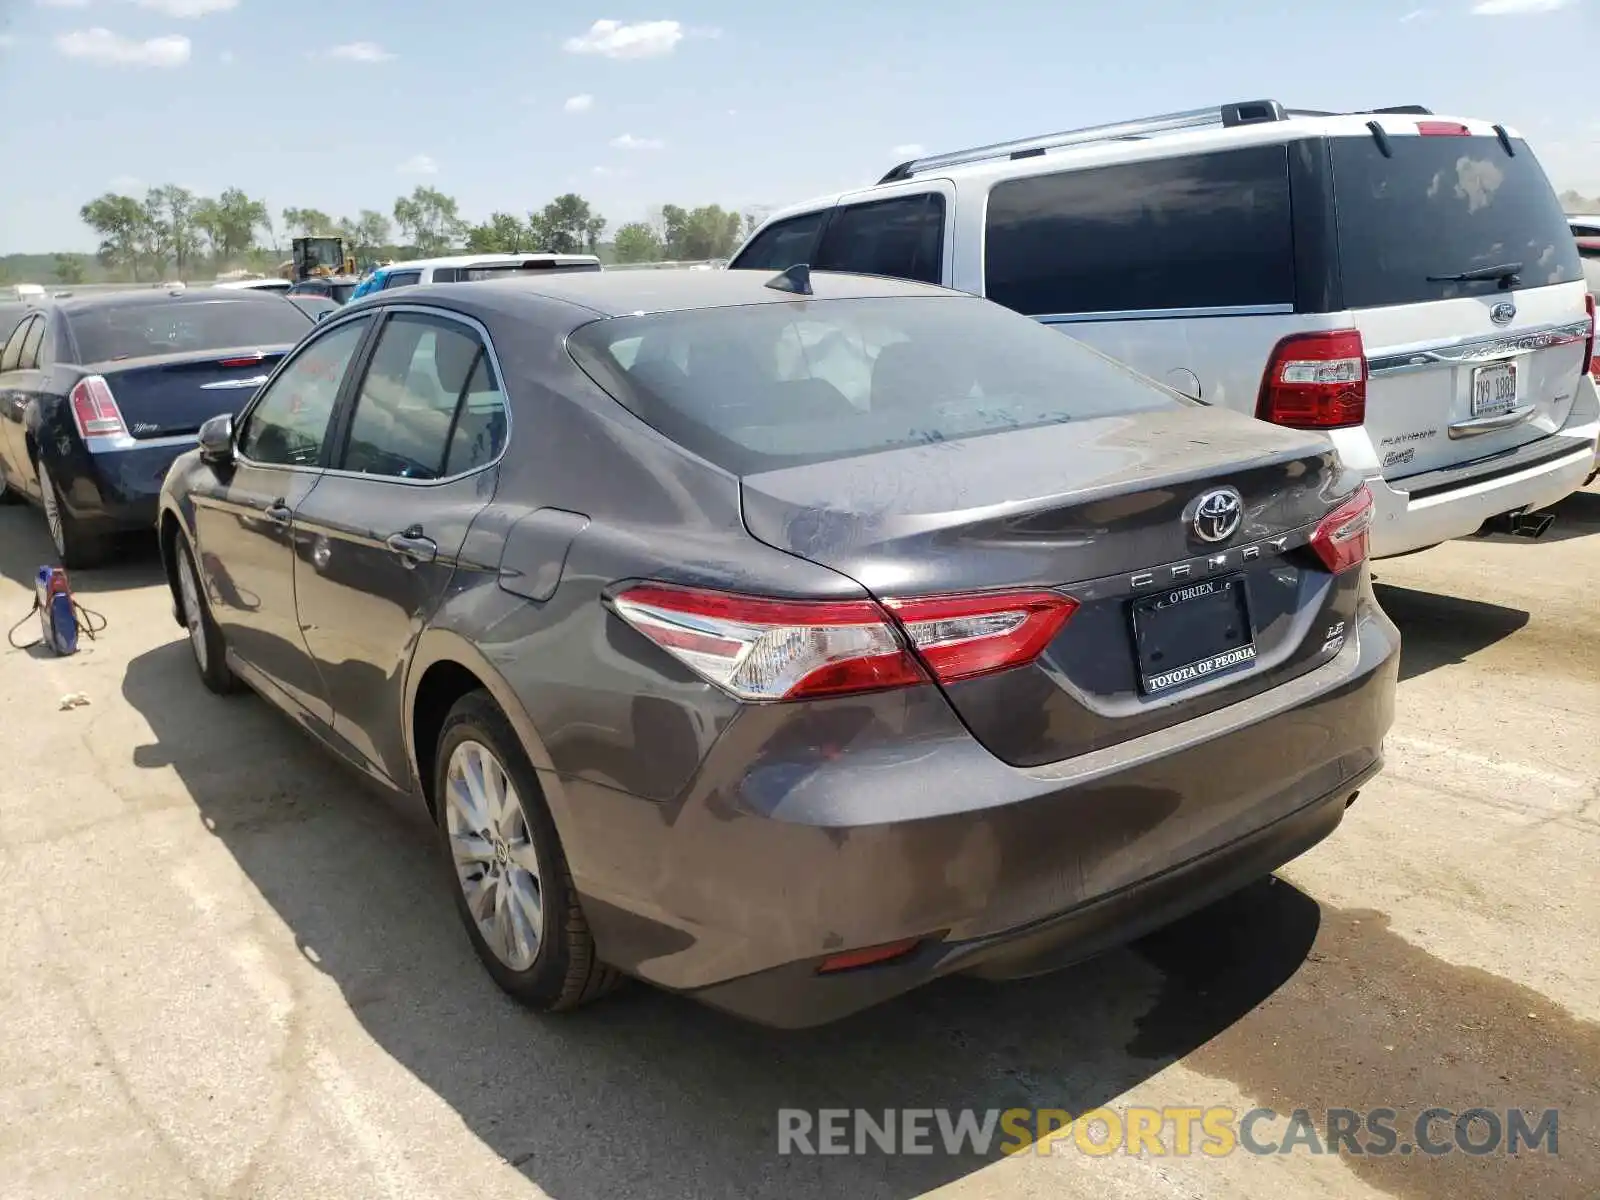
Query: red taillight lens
x=760, y=649
x=95, y=411
x=1442, y=129
x=1591, y=363
x=773, y=649
x=243, y=360
x=1316, y=381
x=1341, y=540
x=962, y=637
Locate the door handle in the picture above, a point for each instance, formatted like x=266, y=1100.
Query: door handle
x=413, y=547
x=279, y=511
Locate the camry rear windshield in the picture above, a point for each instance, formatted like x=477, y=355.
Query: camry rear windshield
x=145, y=330
x=763, y=386
x=1411, y=225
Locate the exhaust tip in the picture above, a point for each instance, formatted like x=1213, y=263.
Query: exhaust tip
x=1351, y=798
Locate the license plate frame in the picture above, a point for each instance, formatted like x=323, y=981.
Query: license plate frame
x=1165, y=634
x=1494, y=389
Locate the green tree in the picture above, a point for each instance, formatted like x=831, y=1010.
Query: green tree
x=637, y=242
x=237, y=218
x=120, y=222
x=308, y=222
x=502, y=233
x=430, y=219
x=372, y=231
x=706, y=232
x=170, y=226
x=69, y=269
x=567, y=225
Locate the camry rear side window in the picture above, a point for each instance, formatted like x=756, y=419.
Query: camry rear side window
x=1412, y=225
x=143, y=330
x=763, y=386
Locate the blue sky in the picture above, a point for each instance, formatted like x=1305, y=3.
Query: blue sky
x=346, y=104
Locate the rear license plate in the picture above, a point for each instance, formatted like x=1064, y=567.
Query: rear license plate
x=1189, y=634
x=1494, y=389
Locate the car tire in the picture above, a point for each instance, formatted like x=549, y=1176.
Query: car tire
x=205, y=639
x=74, y=547
x=505, y=858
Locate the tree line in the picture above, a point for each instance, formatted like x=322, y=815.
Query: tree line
x=171, y=229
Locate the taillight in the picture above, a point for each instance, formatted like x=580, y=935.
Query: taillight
x=760, y=649
x=1592, y=364
x=1316, y=381
x=1443, y=129
x=1341, y=539
x=962, y=637
x=243, y=360
x=95, y=411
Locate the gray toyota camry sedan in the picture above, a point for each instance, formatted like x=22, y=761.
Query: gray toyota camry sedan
x=788, y=641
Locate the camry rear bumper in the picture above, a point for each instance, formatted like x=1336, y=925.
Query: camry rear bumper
x=832, y=826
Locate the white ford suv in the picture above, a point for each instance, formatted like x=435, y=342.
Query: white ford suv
x=1405, y=282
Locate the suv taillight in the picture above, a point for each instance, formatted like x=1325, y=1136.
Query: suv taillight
x=1590, y=362
x=760, y=649
x=95, y=411
x=1316, y=381
x=1341, y=538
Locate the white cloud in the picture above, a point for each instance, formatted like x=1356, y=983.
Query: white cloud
x=418, y=164
x=615, y=39
x=1517, y=8
x=1416, y=14
x=361, y=52
x=626, y=141
x=907, y=150
x=579, y=104
x=102, y=46
x=185, y=9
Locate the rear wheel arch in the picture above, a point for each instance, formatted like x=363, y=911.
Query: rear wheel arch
x=444, y=668
x=169, y=530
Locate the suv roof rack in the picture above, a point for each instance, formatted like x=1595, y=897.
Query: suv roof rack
x=1244, y=112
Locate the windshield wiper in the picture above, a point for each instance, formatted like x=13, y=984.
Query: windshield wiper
x=1506, y=273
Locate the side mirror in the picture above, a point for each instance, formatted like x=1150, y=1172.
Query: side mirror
x=216, y=440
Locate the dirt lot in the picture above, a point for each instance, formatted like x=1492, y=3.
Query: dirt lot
x=229, y=970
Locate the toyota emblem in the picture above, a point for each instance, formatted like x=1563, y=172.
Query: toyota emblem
x=1503, y=313
x=1217, y=514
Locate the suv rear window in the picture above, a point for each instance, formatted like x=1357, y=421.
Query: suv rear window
x=1197, y=231
x=763, y=386
x=145, y=330
x=1442, y=206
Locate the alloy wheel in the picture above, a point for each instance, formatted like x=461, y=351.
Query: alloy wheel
x=496, y=864
x=193, y=614
x=52, y=510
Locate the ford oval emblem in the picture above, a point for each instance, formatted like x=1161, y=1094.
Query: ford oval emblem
x=1503, y=313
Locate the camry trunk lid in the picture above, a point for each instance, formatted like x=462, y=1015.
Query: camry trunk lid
x=1185, y=601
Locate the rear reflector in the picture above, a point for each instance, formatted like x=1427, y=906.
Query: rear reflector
x=1316, y=381
x=760, y=649
x=94, y=409
x=1589, y=358
x=870, y=956
x=1442, y=129
x=1341, y=539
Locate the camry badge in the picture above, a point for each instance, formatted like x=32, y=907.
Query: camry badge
x=1217, y=515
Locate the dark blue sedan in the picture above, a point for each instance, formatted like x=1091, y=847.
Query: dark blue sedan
x=98, y=394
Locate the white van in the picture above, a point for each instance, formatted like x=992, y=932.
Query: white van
x=1405, y=282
